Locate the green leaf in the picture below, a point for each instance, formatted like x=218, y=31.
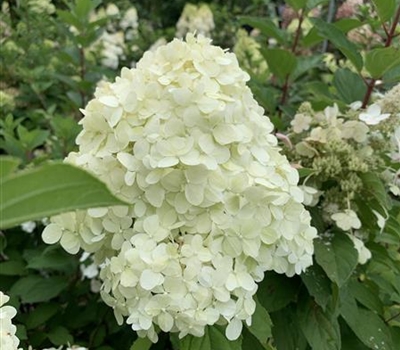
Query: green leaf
x=141, y=344
x=366, y=295
x=12, y=268
x=49, y=190
x=374, y=186
x=318, y=285
x=265, y=25
x=385, y=9
x=286, y=332
x=214, y=338
x=36, y=289
x=276, y=291
x=320, y=329
x=314, y=3
x=367, y=325
x=260, y=323
x=53, y=259
x=378, y=61
x=305, y=64
x=337, y=256
x=297, y=4
x=250, y=341
x=41, y=314
x=349, y=85
x=60, y=336
x=344, y=25
x=281, y=62
x=8, y=165
x=336, y=36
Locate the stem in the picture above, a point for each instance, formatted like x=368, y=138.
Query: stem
x=393, y=28
x=298, y=31
x=285, y=87
x=82, y=72
x=389, y=38
x=392, y=318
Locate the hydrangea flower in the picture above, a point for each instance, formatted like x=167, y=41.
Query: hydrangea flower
x=346, y=220
x=214, y=204
x=8, y=339
x=195, y=18
x=373, y=115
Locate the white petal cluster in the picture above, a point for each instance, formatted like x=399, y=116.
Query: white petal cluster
x=198, y=19
x=213, y=202
x=8, y=339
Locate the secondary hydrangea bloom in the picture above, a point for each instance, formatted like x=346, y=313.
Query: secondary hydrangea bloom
x=213, y=202
x=8, y=339
x=195, y=18
x=248, y=53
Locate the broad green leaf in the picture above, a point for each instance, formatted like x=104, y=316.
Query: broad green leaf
x=276, y=291
x=344, y=25
x=305, y=64
x=69, y=19
x=367, y=325
x=12, y=268
x=36, y=289
x=260, y=323
x=318, y=285
x=297, y=4
x=314, y=3
x=60, y=336
x=251, y=342
x=266, y=26
x=53, y=259
x=366, y=295
x=336, y=36
x=49, y=190
x=385, y=9
x=8, y=165
x=374, y=186
x=392, y=75
x=378, y=61
x=281, y=62
x=286, y=332
x=82, y=8
x=337, y=256
x=349, y=85
x=320, y=329
x=141, y=344
x=41, y=314
x=214, y=338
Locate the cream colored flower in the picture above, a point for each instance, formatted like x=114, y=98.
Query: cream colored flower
x=346, y=220
x=213, y=202
x=373, y=115
x=300, y=123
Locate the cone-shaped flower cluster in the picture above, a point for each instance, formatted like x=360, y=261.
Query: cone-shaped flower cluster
x=213, y=202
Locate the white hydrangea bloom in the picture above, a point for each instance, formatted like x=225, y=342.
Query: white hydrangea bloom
x=373, y=115
x=8, y=339
x=28, y=226
x=354, y=129
x=213, y=202
x=346, y=220
x=300, y=123
x=248, y=53
x=112, y=48
x=364, y=254
x=195, y=19
x=311, y=195
x=41, y=6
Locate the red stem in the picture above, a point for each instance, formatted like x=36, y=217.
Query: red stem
x=389, y=38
